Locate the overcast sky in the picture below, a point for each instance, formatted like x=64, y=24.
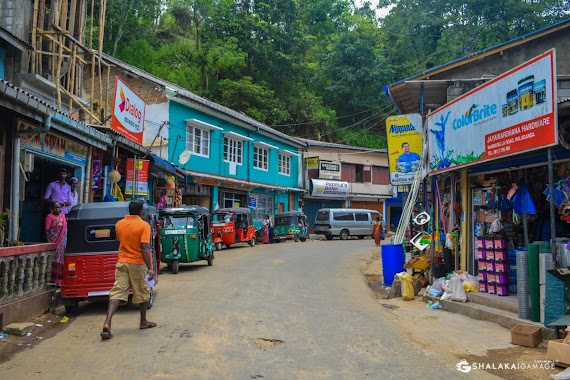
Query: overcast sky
x=374, y=3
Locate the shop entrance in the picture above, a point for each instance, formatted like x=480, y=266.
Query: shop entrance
x=33, y=208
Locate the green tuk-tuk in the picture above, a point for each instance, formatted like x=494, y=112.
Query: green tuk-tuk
x=185, y=236
x=290, y=225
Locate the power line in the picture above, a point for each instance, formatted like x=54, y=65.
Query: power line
x=320, y=121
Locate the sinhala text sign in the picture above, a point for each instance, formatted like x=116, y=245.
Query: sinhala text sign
x=404, y=134
x=510, y=114
x=128, y=112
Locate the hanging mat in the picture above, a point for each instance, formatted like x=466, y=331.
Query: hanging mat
x=523, y=202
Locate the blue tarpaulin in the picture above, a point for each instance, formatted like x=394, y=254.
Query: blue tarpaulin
x=163, y=164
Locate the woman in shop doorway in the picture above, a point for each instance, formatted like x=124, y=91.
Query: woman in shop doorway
x=266, y=224
x=378, y=231
x=56, y=231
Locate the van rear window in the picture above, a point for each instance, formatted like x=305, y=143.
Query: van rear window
x=322, y=216
x=343, y=215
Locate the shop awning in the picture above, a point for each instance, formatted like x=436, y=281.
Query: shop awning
x=163, y=164
x=216, y=180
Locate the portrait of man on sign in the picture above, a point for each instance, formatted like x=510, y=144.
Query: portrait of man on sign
x=408, y=161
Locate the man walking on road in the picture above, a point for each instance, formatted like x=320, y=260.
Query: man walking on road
x=133, y=265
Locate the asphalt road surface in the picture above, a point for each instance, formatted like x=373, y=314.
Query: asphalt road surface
x=281, y=311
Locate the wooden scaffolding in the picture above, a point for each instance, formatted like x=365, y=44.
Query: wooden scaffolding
x=62, y=56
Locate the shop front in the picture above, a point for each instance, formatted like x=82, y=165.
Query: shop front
x=43, y=156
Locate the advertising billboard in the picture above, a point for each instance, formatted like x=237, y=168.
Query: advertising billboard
x=128, y=112
x=512, y=113
x=136, y=177
x=404, y=134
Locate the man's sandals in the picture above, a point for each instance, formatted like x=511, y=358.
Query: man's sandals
x=106, y=333
x=150, y=325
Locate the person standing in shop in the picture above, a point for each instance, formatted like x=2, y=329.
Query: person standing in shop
x=74, y=183
x=59, y=191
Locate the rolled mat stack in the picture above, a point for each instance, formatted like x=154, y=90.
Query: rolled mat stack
x=533, y=280
x=522, y=284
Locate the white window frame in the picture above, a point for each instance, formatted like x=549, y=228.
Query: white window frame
x=233, y=151
x=284, y=164
x=199, y=129
x=263, y=148
x=260, y=158
x=234, y=146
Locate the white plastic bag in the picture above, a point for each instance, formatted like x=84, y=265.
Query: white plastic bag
x=456, y=285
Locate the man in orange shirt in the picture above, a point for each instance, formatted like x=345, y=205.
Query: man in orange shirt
x=133, y=265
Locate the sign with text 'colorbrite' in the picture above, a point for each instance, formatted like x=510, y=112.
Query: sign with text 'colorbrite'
x=512, y=113
x=128, y=112
x=404, y=134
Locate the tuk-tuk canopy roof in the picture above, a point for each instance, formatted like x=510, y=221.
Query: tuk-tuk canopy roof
x=104, y=210
x=290, y=213
x=243, y=210
x=197, y=210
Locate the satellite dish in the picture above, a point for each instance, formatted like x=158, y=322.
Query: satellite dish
x=184, y=157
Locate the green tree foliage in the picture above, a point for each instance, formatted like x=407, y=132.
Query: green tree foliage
x=311, y=68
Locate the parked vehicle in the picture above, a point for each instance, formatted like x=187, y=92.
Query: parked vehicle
x=185, y=236
x=290, y=225
x=232, y=226
x=345, y=222
x=92, y=251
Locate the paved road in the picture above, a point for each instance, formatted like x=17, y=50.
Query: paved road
x=282, y=311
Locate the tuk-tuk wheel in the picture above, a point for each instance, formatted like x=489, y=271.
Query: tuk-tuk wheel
x=303, y=239
x=175, y=266
x=228, y=245
x=210, y=259
x=218, y=246
x=296, y=238
x=150, y=301
x=252, y=242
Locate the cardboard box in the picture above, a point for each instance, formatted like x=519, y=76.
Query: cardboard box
x=559, y=352
x=526, y=335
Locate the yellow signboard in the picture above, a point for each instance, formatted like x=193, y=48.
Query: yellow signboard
x=312, y=163
x=404, y=133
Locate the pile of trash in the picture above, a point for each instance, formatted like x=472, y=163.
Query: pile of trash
x=453, y=287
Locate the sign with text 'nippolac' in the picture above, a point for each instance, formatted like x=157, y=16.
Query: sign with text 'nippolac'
x=510, y=114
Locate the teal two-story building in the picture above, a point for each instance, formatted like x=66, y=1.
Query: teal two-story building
x=235, y=161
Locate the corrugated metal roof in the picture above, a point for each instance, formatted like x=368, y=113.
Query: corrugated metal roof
x=325, y=144
x=184, y=94
x=14, y=40
x=563, y=100
x=90, y=135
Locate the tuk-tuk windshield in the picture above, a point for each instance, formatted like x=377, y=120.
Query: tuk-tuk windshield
x=178, y=221
x=286, y=220
x=221, y=218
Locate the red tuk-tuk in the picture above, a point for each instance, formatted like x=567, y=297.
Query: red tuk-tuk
x=92, y=251
x=231, y=226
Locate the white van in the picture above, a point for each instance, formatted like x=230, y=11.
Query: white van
x=345, y=222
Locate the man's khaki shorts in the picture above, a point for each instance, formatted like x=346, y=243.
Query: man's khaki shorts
x=130, y=276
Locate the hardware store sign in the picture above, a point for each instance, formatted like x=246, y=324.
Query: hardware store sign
x=512, y=113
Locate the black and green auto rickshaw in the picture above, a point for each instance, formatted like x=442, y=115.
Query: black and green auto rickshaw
x=290, y=225
x=185, y=236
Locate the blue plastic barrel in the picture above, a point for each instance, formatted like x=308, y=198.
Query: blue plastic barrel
x=392, y=261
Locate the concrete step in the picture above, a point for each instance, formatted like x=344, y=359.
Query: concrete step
x=503, y=318
x=508, y=303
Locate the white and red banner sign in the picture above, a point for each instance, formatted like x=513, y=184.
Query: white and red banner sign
x=128, y=112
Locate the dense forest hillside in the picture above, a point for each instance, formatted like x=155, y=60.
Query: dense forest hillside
x=310, y=68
